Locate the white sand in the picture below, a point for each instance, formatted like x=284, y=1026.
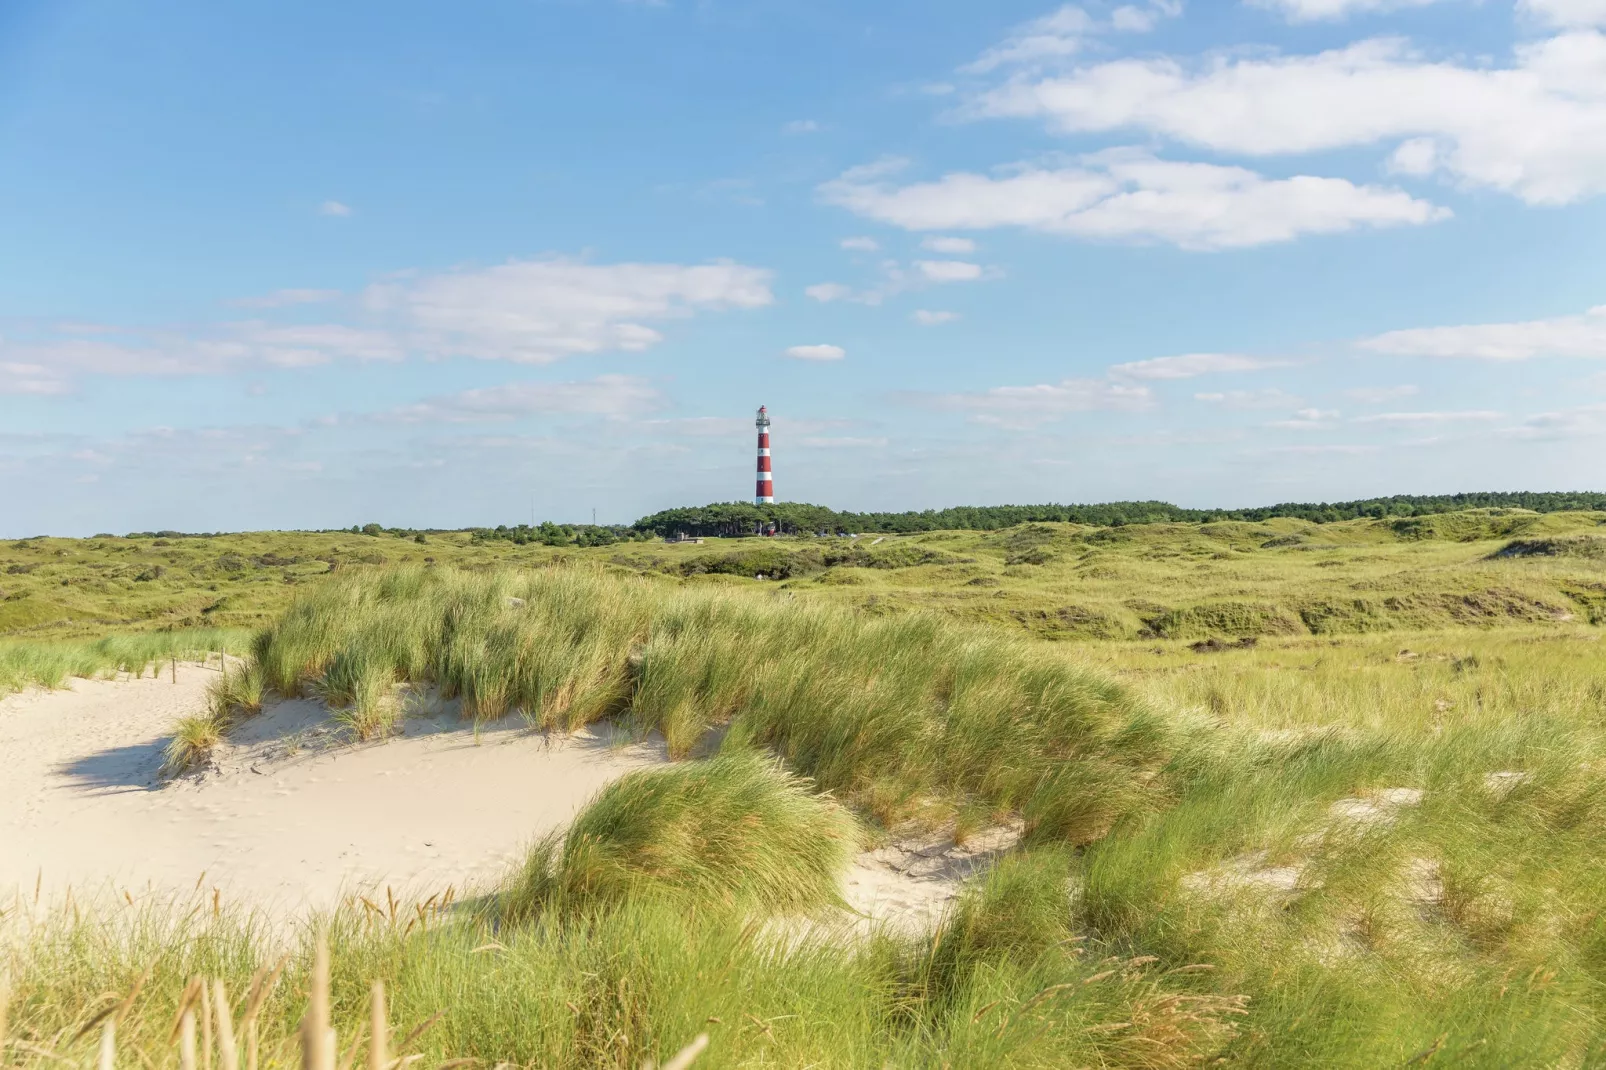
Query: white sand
x=292, y=817
x=289, y=820
x=908, y=884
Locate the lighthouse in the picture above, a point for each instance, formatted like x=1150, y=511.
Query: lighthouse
x=765, y=494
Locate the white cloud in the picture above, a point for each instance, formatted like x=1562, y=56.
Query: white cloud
x=304, y=345
x=728, y=426
x=1563, y=336
x=529, y=311
x=802, y=126
x=1420, y=419
x=1130, y=195
x=949, y=246
x=35, y=379
x=1060, y=34
x=538, y=311
x=705, y=426
x=334, y=208
x=816, y=442
x=1566, y=12
x=1053, y=36
x=1582, y=421
x=948, y=270
x=606, y=395
x=861, y=245
x=816, y=352
x=932, y=318
x=130, y=354
x=1308, y=420
x=1027, y=406
x=57, y=362
x=1189, y=365
x=894, y=279
x=1268, y=398
x=1129, y=18
x=1378, y=395
x=1316, y=10
x=826, y=292
x=285, y=298
x=1535, y=128
x=1316, y=451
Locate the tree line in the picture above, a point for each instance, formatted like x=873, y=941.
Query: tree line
x=743, y=518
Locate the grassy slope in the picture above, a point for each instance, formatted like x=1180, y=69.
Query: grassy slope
x=1054, y=580
x=1465, y=930
x=900, y=714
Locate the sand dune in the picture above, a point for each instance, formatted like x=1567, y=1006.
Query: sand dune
x=292, y=817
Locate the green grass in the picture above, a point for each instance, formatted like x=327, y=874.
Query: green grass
x=194, y=739
x=1196, y=885
x=1483, y=569
x=1466, y=925
x=52, y=663
x=673, y=873
x=901, y=715
x=232, y=697
x=735, y=831
x=615, y=988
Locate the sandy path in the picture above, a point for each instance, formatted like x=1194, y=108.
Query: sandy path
x=288, y=821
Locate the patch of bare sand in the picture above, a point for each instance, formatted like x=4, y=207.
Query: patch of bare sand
x=290, y=817
x=906, y=885
x=1253, y=871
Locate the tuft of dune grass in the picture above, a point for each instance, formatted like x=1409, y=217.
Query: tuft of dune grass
x=194, y=740
x=236, y=694
x=733, y=832
x=361, y=690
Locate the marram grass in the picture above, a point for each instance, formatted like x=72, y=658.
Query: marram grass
x=896, y=715
x=1217, y=858
x=618, y=986
x=734, y=831
x=233, y=696
x=51, y=663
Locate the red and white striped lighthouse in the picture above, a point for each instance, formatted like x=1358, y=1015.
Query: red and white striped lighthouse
x=765, y=494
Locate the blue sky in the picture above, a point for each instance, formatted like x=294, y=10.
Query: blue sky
x=301, y=265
